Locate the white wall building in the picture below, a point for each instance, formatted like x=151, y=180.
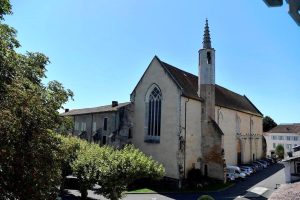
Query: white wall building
x=286, y=134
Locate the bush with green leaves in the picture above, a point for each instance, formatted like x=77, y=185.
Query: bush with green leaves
x=205, y=197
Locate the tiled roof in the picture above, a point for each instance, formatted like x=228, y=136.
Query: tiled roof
x=286, y=128
x=107, y=108
x=225, y=98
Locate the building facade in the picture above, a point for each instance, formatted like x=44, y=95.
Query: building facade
x=110, y=124
x=288, y=135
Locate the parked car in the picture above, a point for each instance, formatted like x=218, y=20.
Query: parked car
x=253, y=167
x=246, y=169
x=230, y=177
x=273, y=159
x=265, y=162
x=236, y=171
x=256, y=166
x=269, y=160
x=264, y=165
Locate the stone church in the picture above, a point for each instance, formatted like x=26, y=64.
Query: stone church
x=186, y=121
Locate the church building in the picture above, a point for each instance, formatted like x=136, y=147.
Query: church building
x=186, y=121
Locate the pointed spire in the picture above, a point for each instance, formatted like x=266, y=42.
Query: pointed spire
x=206, y=37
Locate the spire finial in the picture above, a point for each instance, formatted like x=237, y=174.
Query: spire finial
x=206, y=37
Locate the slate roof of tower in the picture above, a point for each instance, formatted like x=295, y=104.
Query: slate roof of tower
x=286, y=128
x=225, y=98
x=100, y=109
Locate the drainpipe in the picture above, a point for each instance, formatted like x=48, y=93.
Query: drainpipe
x=184, y=151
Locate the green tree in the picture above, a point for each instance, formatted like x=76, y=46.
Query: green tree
x=70, y=147
x=112, y=169
x=268, y=123
x=30, y=154
x=125, y=166
x=279, y=150
x=87, y=166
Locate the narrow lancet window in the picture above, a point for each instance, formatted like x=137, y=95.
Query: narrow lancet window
x=153, y=119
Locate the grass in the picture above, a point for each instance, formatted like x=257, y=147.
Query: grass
x=208, y=188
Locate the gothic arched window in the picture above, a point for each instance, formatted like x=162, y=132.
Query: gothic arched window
x=153, y=114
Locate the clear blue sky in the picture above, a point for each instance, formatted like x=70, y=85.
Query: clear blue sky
x=100, y=48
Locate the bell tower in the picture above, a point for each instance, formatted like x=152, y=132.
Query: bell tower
x=206, y=80
x=212, y=163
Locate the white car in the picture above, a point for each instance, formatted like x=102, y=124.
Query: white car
x=236, y=171
x=246, y=170
x=230, y=176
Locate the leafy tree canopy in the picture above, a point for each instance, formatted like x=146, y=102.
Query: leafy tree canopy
x=268, y=123
x=279, y=151
x=29, y=152
x=112, y=169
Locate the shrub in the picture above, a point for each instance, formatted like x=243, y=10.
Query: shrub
x=205, y=197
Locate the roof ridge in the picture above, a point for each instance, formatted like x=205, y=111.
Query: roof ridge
x=198, y=77
x=100, y=106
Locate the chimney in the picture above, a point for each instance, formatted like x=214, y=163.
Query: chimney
x=114, y=103
x=67, y=110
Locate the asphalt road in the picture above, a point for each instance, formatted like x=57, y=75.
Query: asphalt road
x=263, y=181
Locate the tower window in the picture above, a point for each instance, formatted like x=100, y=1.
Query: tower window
x=208, y=58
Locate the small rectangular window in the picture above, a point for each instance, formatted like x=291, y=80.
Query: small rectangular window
x=298, y=167
x=274, y=137
x=129, y=133
x=76, y=126
x=94, y=126
x=105, y=124
x=83, y=126
x=104, y=140
x=288, y=137
x=274, y=145
x=295, y=138
x=280, y=137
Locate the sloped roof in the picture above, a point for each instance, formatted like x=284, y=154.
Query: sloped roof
x=100, y=109
x=225, y=98
x=286, y=128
